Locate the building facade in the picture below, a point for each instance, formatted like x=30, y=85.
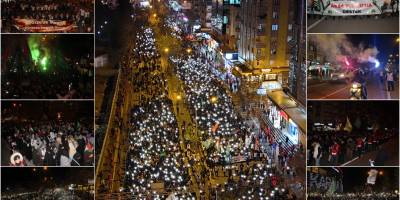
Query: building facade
x=297, y=62
x=266, y=28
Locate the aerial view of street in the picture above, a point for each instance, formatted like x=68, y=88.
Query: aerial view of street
x=179, y=113
x=353, y=16
x=353, y=66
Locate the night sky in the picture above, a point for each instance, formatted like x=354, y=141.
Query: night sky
x=385, y=43
x=385, y=112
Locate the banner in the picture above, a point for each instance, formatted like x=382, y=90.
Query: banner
x=372, y=176
x=350, y=7
x=32, y=25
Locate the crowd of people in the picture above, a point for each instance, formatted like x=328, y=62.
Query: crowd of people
x=148, y=74
x=212, y=109
x=50, y=194
x=154, y=152
x=70, y=82
x=255, y=181
x=48, y=143
x=335, y=148
x=79, y=13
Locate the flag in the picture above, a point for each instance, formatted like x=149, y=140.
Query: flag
x=348, y=127
x=215, y=127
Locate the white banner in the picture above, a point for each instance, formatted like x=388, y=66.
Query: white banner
x=372, y=176
x=350, y=7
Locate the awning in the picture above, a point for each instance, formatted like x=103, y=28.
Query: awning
x=290, y=107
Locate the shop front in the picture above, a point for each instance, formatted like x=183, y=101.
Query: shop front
x=288, y=116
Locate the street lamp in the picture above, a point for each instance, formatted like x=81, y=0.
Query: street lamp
x=189, y=50
x=178, y=97
x=154, y=15
x=166, y=50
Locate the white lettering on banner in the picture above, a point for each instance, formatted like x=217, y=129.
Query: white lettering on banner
x=349, y=7
x=31, y=25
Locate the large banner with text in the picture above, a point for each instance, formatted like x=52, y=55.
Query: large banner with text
x=351, y=7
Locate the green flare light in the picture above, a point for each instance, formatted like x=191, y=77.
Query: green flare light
x=43, y=63
x=35, y=54
x=34, y=47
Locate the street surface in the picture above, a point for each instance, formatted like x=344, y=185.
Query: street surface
x=341, y=90
x=391, y=147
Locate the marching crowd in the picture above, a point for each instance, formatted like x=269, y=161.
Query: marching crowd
x=256, y=181
x=154, y=154
x=338, y=147
x=212, y=109
x=79, y=12
x=51, y=143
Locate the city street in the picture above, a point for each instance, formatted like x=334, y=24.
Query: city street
x=177, y=125
x=351, y=24
x=341, y=90
x=390, y=155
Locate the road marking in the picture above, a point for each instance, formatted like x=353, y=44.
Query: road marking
x=337, y=91
x=315, y=23
x=348, y=162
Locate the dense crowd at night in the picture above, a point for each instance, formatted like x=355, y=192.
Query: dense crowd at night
x=226, y=136
x=45, y=141
x=77, y=14
x=339, y=147
x=359, y=131
x=154, y=150
x=69, y=83
x=47, y=183
x=50, y=194
x=256, y=181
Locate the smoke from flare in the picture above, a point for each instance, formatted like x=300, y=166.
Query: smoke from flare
x=337, y=48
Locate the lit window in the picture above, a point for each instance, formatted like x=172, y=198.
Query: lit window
x=274, y=27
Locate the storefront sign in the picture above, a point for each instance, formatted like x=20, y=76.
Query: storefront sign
x=284, y=115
